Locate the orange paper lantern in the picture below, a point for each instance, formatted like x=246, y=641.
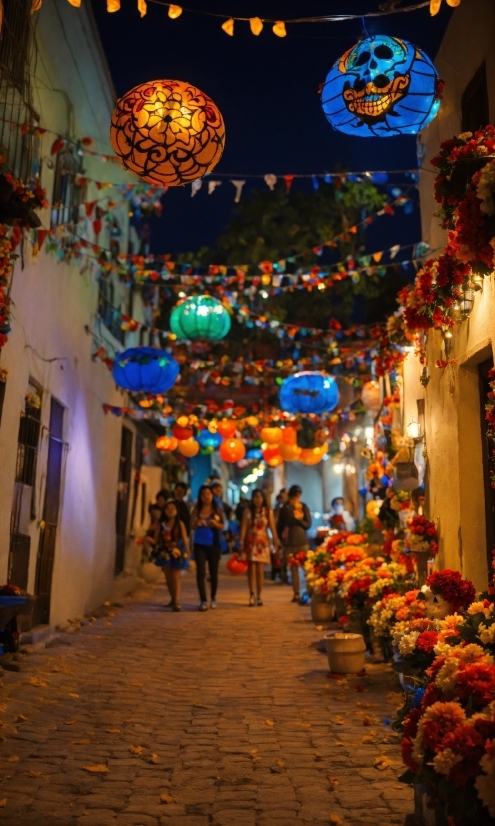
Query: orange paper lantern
x=271, y=435
x=272, y=456
x=227, y=428
x=289, y=435
x=289, y=453
x=232, y=450
x=168, y=132
x=189, y=447
x=167, y=443
x=311, y=456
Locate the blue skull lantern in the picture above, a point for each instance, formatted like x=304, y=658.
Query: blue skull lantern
x=382, y=86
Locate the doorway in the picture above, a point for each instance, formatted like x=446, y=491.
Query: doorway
x=48, y=528
x=488, y=464
x=123, y=491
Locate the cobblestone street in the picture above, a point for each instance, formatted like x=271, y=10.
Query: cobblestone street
x=227, y=718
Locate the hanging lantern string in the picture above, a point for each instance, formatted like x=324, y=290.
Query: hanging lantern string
x=327, y=18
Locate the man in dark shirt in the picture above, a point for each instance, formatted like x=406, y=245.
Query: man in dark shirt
x=183, y=513
x=293, y=522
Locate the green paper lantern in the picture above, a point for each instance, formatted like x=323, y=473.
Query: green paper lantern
x=200, y=317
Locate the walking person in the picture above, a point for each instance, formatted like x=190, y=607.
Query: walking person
x=207, y=521
x=257, y=520
x=172, y=551
x=293, y=522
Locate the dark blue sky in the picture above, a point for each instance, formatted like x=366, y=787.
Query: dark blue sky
x=267, y=90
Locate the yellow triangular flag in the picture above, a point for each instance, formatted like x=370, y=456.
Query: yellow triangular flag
x=174, y=11
x=113, y=5
x=279, y=28
x=377, y=256
x=228, y=26
x=435, y=6
x=75, y=3
x=256, y=25
x=453, y=3
x=142, y=7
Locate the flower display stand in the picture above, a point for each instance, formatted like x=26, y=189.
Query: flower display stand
x=322, y=609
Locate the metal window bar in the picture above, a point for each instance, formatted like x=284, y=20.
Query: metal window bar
x=28, y=445
x=110, y=316
x=20, y=149
x=67, y=195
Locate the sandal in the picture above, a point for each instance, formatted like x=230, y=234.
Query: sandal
x=251, y=600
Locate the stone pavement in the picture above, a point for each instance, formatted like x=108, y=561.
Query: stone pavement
x=228, y=718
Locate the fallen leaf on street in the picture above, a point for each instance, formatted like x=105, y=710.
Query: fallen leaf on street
x=335, y=819
x=395, y=699
x=338, y=721
x=70, y=722
x=135, y=749
x=304, y=725
x=318, y=757
x=368, y=738
x=38, y=682
x=34, y=773
x=137, y=685
x=113, y=731
x=3, y=802
x=167, y=798
x=75, y=696
x=338, y=743
x=100, y=768
x=154, y=759
x=21, y=718
x=343, y=681
x=269, y=723
x=253, y=751
x=383, y=762
x=319, y=627
x=83, y=742
x=13, y=758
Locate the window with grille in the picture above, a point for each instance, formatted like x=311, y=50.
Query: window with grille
x=67, y=194
x=28, y=440
x=19, y=147
x=107, y=311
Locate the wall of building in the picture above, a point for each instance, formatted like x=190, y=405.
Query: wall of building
x=55, y=331
x=452, y=398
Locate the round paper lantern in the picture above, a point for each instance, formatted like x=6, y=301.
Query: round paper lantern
x=272, y=456
x=382, y=86
x=227, y=428
x=198, y=317
x=311, y=455
x=289, y=453
x=289, y=435
x=167, y=132
x=309, y=392
x=189, y=447
x=207, y=439
x=371, y=396
x=182, y=433
x=271, y=435
x=232, y=450
x=145, y=369
x=167, y=443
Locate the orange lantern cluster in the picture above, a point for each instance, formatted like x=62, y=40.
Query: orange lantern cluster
x=271, y=435
x=168, y=132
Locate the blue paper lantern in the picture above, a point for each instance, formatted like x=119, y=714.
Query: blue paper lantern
x=200, y=317
x=254, y=453
x=145, y=370
x=383, y=86
x=208, y=439
x=309, y=392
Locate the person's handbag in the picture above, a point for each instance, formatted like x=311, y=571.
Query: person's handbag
x=236, y=566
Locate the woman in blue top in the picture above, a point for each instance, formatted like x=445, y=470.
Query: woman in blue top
x=207, y=522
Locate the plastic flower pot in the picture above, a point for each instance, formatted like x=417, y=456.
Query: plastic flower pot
x=345, y=652
x=322, y=609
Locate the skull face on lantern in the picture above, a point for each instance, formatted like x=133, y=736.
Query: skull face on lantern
x=382, y=86
x=436, y=606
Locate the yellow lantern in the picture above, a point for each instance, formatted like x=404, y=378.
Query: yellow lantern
x=289, y=453
x=189, y=447
x=311, y=456
x=183, y=421
x=168, y=132
x=271, y=435
x=252, y=421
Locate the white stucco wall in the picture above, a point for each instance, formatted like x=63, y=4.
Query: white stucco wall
x=51, y=305
x=453, y=407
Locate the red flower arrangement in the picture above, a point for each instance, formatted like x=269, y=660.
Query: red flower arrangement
x=451, y=586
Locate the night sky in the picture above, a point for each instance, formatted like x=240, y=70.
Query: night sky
x=267, y=90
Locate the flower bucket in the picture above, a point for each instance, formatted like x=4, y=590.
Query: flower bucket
x=322, y=610
x=345, y=652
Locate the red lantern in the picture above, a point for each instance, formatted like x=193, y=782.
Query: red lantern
x=227, y=428
x=272, y=456
x=236, y=566
x=232, y=450
x=182, y=433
